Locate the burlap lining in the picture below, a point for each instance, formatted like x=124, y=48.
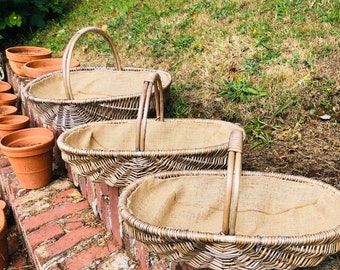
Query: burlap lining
x=267, y=206
x=99, y=83
x=171, y=134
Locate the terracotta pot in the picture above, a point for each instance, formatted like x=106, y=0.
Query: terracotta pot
x=30, y=151
x=8, y=99
x=3, y=237
x=8, y=110
x=37, y=68
x=18, y=56
x=10, y=123
x=5, y=87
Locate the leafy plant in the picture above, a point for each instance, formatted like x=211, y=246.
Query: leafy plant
x=179, y=105
x=239, y=90
x=183, y=41
x=261, y=132
x=31, y=13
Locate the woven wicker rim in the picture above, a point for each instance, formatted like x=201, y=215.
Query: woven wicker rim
x=26, y=94
x=132, y=153
x=212, y=237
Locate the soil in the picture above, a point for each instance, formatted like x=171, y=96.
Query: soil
x=310, y=149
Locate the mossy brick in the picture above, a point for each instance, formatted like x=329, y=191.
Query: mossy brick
x=43, y=234
x=87, y=256
x=73, y=222
x=47, y=252
x=53, y=214
x=69, y=195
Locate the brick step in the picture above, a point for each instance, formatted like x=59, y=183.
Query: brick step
x=59, y=228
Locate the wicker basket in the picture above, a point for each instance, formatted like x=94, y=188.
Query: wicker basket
x=97, y=93
x=119, y=151
x=261, y=221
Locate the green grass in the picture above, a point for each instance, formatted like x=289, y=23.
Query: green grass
x=239, y=61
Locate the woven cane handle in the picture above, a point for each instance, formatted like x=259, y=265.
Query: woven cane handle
x=154, y=82
x=68, y=55
x=233, y=180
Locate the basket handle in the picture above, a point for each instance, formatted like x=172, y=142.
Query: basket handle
x=233, y=180
x=153, y=82
x=68, y=55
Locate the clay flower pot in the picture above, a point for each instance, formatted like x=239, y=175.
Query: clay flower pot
x=37, y=68
x=10, y=123
x=5, y=87
x=8, y=99
x=30, y=152
x=18, y=56
x=8, y=110
x=3, y=237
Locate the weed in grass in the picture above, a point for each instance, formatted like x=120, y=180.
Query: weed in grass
x=198, y=7
x=179, y=104
x=123, y=7
x=158, y=46
x=259, y=133
x=295, y=60
x=116, y=23
x=227, y=11
x=183, y=42
x=252, y=66
x=239, y=90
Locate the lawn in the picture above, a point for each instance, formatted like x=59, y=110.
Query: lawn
x=271, y=66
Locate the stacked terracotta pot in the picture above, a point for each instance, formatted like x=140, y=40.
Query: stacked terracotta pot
x=28, y=149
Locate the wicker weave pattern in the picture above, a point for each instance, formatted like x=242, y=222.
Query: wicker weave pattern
x=233, y=253
x=120, y=168
x=63, y=113
x=219, y=251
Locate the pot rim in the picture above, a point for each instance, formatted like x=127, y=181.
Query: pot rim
x=6, y=86
x=13, y=53
x=8, y=108
x=8, y=122
x=46, y=141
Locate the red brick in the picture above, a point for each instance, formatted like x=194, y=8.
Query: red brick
x=66, y=196
x=5, y=171
x=64, y=243
x=142, y=256
x=103, y=203
x=11, y=183
x=114, y=214
x=73, y=223
x=53, y=214
x=91, y=195
x=88, y=256
x=43, y=234
x=4, y=162
x=107, y=205
x=82, y=183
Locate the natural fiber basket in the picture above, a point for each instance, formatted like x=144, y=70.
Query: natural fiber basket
x=119, y=151
x=254, y=220
x=71, y=97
